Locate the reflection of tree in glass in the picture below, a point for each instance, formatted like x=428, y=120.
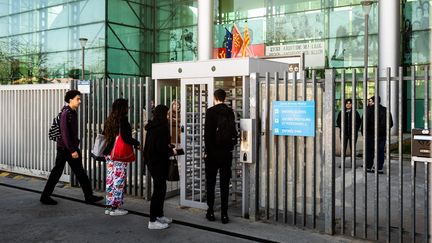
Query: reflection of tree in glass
x=339, y=48
x=188, y=42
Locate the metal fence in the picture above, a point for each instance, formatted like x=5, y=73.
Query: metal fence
x=304, y=181
x=26, y=115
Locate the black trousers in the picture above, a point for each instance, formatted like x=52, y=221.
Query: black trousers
x=159, y=176
x=64, y=155
x=219, y=162
x=348, y=141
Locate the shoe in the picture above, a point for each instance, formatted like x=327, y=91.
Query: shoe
x=157, y=225
x=48, y=201
x=210, y=216
x=225, y=219
x=164, y=220
x=107, y=211
x=380, y=171
x=118, y=212
x=369, y=170
x=93, y=199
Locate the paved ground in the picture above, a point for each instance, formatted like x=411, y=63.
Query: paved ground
x=24, y=219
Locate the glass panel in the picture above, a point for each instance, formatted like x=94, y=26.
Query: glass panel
x=120, y=62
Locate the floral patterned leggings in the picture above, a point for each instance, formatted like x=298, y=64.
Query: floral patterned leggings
x=115, y=183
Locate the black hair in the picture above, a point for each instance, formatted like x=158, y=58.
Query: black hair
x=220, y=95
x=119, y=110
x=348, y=100
x=160, y=114
x=71, y=94
x=373, y=98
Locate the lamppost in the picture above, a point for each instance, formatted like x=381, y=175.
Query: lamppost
x=83, y=42
x=366, y=5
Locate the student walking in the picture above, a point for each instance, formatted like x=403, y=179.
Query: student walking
x=68, y=150
x=220, y=136
x=116, y=123
x=157, y=151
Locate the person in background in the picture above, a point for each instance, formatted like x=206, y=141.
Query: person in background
x=381, y=134
x=347, y=139
x=117, y=122
x=174, y=120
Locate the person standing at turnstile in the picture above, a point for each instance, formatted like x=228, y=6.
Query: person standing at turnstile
x=220, y=136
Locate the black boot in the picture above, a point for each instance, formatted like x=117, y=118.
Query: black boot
x=93, y=199
x=225, y=218
x=210, y=215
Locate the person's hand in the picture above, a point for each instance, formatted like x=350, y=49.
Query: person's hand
x=139, y=147
x=75, y=155
x=174, y=151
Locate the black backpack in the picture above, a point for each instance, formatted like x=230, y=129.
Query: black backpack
x=54, y=131
x=226, y=132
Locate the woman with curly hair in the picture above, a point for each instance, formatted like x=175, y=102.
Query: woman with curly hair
x=116, y=123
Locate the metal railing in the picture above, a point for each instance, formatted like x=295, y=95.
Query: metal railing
x=27, y=112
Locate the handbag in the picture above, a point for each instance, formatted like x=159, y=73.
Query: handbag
x=173, y=172
x=98, y=148
x=122, y=151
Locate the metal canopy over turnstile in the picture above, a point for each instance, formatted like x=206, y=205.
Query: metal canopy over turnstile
x=197, y=81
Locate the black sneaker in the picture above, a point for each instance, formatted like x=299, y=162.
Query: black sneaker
x=369, y=170
x=225, y=219
x=93, y=199
x=210, y=216
x=380, y=171
x=48, y=201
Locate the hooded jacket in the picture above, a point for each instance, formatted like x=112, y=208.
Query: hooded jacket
x=157, y=145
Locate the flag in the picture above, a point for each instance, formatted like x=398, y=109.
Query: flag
x=228, y=43
x=222, y=54
x=237, y=42
x=246, y=40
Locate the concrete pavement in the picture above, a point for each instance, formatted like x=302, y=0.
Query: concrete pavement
x=24, y=219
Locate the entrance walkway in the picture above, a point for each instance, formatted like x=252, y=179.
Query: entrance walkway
x=25, y=219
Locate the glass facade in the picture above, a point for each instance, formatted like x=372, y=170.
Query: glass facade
x=39, y=39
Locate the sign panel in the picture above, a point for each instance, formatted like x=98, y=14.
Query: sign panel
x=84, y=86
x=294, y=118
x=314, y=52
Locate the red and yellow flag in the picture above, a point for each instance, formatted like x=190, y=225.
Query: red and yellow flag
x=246, y=40
x=237, y=42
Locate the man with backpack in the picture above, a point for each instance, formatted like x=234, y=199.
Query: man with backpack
x=68, y=150
x=220, y=136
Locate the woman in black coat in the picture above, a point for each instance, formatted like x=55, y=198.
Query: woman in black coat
x=157, y=151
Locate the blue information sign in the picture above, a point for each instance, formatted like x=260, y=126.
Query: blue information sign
x=294, y=118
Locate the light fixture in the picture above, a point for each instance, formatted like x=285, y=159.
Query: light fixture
x=366, y=5
x=83, y=41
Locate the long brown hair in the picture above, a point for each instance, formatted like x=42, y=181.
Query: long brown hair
x=119, y=110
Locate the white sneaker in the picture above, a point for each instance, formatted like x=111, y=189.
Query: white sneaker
x=118, y=212
x=164, y=220
x=107, y=211
x=157, y=225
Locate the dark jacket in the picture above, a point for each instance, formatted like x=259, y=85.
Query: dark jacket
x=157, y=145
x=69, y=130
x=382, y=116
x=348, y=122
x=211, y=119
x=126, y=133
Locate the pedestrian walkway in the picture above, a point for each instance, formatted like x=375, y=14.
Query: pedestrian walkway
x=25, y=219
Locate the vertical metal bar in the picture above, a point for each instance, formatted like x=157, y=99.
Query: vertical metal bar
x=294, y=185
x=314, y=95
x=426, y=126
x=343, y=149
x=142, y=129
x=194, y=92
x=400, y=136
x=276, y=160
x=304, y=152
x=255, y=109
x=149, y=97
x=388, y=152
x=376, y=106
x=98, y=121
x=267, y=145
x=129, y=97
x=365, y=134
x=285, y=170
x=413, y=169
x=329, y=152
x=137, y=118
x=353, y=150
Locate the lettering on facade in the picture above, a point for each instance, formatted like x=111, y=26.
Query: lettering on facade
x=314, y=52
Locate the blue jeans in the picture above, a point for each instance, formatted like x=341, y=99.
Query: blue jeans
x=370, y=152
